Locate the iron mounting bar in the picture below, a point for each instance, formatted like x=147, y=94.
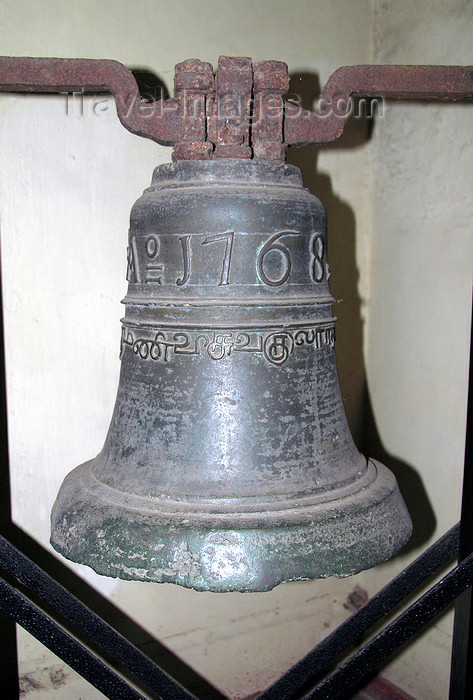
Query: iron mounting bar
x=171, y=122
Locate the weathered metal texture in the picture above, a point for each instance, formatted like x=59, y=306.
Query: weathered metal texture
x=396, y=82
x=230, y=108
x=271, y=82
x=228, y=105
x=193, y=81
x=162, y=124
x=229, y=464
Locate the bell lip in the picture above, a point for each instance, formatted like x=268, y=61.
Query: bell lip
x=231, y=559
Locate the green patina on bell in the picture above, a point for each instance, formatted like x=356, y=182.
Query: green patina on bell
x=229, y=464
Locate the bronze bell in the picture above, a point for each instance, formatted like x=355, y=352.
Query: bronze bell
x=229, y=464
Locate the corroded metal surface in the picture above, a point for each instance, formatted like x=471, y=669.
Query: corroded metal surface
x=92, y=76
x=394, y=82
x=228, y=464
x=230, y=108
x=193, y=82
x=240, y=113
x=271, y=82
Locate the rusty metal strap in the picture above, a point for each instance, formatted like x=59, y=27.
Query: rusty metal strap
x=170, y=124
x=95, y=76
x=393, y=82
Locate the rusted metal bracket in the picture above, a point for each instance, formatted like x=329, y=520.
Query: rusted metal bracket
x=392, y=82
x=95, y=76
x=241, y=112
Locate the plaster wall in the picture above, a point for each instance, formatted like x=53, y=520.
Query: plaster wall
x=67, y=186
x=68, y=180
x=418, y=313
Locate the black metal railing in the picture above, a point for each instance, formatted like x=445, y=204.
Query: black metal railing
x=294, y=684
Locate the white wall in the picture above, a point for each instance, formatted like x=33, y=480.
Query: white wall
x=419, y=305
x=67, y=185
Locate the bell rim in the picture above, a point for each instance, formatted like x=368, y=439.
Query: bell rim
x=233, y=558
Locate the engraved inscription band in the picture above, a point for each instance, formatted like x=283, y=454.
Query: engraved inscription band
x=275, y=346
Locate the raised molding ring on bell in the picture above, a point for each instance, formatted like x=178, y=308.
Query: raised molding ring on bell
x=228, y=464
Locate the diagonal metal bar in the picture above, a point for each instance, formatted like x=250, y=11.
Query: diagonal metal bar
x=70, y=650
x=8, y=647
x=359, y=666
x=311, y=667
x=98, y=631
x=461, y=674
